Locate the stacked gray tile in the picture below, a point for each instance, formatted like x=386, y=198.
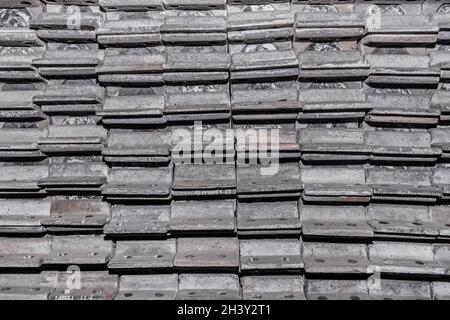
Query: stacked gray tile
x=96, y=204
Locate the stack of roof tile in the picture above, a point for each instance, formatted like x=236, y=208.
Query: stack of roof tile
x=94, y=93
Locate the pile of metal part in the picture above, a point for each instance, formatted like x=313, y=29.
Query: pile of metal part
x=95, y=204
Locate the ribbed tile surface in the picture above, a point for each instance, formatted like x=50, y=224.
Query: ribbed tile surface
x=101, y=100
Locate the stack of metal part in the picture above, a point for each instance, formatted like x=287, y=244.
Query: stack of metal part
x=98, y=96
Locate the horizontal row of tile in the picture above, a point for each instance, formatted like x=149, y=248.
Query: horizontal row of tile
x=103, y=286
x=228, y=253
x=279, y=180
x=209, y=217
x=160, y=146
x=53, y=285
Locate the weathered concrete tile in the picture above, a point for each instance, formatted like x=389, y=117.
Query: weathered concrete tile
x=138, y=183
x=401, y=69
x=402, y=185
x=17, y=103
x=335, y=65
x=79, y=215
x=197, y=106
x=194, y=4
x=385, y=175
x=199, y=180
x=440, y=138
x=76, y=139
x=196, y=68
x=259, y=26
x=18, y=4
x=263, y=141
x=442, y=256
x=132, y=5
x=336, y=258
x=254, y=218
x=333, y=103
x=23, y=253
x=52, y=24
x=440, y=102
x=55, y=4
x=388, y=289
x=441, y=290
x=15, y=286
x=138, y=220
x=335, y=221
x=394, y=109
x=409, y=146
x=70, y=99
x=265, y=104
x=318, y=289
x=405, y=220
x=405, y=30
x=21, y=144
x=16, y=62
x=95, y=285
x=342, y=123
x=194, y=30
x=337, y=144
x=79, y=250
x=137, y=147
x=124, y=29
x=440, y=217
x=281, y=64
x=131, y=66
x=404, y=258
x=22, y=180
x=23, y=216
x=441, y=179
x=75, y=177
x=322, y=26
x=258, y=181
x=68, y=60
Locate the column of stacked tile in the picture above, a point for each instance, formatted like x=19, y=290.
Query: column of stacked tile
x=98, y=97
